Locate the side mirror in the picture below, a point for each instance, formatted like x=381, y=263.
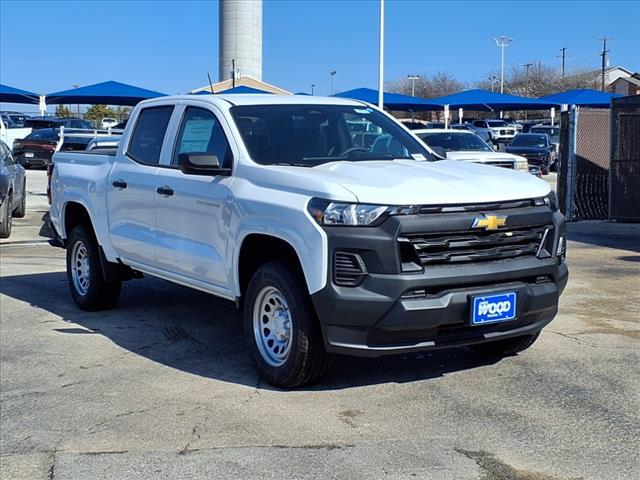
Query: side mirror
x=439, y=151
x=201, y=164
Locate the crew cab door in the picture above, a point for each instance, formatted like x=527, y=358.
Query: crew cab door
x=131, y=187
x=193, y=212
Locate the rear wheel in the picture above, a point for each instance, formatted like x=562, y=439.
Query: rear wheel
x=84, y=273
x=5, y=217
x=506, y=347
x=282, y=329
x=21, y=209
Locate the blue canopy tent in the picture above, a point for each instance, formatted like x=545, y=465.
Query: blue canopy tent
x=239, y=89
x=105, y=93
x=582, y=98
x=392, y=101
x=15, y=95
x=483, y=100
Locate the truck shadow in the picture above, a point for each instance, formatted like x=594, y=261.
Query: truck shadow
x=202, y=335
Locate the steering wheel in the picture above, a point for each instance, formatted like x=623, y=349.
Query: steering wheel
x=351, y=150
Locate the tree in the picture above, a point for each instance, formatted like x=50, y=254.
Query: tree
x=98, y=112
x=63, y=111
x=122, y=112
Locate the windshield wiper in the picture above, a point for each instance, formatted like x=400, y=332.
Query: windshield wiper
x=292, y=164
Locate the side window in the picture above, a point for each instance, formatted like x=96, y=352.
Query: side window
x=201, y=132
x=148, y=134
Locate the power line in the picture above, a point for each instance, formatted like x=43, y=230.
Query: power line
x=603, y=54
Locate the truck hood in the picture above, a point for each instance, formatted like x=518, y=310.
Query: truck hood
x=409, y=182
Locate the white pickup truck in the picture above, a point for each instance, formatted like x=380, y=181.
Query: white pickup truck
x=331, y=242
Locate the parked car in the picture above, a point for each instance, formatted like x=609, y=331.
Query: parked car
x=498, y=131
x=328, y=246
x=554, y=136
x=122, y=124
x=469, y=147
x=56, y=122
x=39, y=146
x=484, y=135
x=108, y=122
x=535, y=147
x=412, y=124
x=9, y=135
x=14, y=119
x=13, y=191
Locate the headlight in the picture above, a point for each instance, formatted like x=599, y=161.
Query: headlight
x=522, y=165
x=326, y=212
x=550, y=200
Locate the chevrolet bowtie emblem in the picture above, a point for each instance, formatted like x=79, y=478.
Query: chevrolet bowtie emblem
x=489, y=222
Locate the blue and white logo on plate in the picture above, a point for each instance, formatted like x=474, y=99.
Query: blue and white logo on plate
x=493, y=308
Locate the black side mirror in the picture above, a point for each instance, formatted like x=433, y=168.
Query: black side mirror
x=201, y=164
x=439, y=151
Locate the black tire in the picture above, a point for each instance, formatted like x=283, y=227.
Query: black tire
x=506, y=347
x=307, y=359
x=21, y=209
x=95, y=294
x=6, y=220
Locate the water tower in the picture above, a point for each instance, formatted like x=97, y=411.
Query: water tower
x=240, y=39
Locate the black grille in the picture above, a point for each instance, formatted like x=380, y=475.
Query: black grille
x=348, y=269
x=501, y=164
x=464, y=247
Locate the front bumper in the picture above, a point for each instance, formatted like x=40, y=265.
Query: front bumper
x=390, y=313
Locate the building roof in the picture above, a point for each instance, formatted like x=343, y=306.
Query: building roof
x=241, y=82
x=634, y=80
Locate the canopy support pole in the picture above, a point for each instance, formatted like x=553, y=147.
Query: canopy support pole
x=446, y=116
x=42, y=105
x=460, y=114
x=553, y=116
x=381, y=59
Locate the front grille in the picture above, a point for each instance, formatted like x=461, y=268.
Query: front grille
x=348, y=269
x=470, y=246
x=505, y=164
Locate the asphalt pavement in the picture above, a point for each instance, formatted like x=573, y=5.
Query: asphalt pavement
x=163, y=386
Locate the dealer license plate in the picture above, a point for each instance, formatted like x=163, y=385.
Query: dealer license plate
x=499, y=307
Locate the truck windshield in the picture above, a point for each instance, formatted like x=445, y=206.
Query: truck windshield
x=539, y=141
x=310, y=135
x=455, y=141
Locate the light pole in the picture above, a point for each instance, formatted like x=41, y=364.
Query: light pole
x=75, y=85
x=333, y=74
x=381, y=59
x=493, y=80
x=413, y=79
x=502, y=42
x=313, y=85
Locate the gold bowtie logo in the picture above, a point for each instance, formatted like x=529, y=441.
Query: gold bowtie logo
x=489, y=222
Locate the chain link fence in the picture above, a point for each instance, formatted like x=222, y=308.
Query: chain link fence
x=625, y=159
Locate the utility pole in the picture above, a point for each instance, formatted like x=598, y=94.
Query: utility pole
x=313, y=85
x=413, y=79
x=75, y=85
x=493, y=80
x=563, y=54
x=603, y=54
x=333, y=74
x=527, y=66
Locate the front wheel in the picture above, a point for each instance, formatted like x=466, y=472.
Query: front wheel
x=506, y=347
x=282, y=329
x=84, y=272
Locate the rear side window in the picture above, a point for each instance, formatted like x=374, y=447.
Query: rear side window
x=148, y=134
x=201, y=132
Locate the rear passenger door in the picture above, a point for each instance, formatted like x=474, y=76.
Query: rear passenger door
x=131, y=187
x=194, y=211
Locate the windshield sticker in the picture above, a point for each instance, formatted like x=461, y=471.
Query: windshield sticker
x=418, y=156
x=362, y=111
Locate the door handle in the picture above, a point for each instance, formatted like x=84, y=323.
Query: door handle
x=166, y=191
x=120, y=184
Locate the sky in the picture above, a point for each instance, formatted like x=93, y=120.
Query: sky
x=169, y=46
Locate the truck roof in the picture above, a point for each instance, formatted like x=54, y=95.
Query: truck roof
x=259, y=99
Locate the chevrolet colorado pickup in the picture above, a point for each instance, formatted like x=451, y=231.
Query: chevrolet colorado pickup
x=330, y=241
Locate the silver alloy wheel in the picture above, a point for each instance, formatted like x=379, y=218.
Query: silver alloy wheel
x=272, y=326
x=80, y=269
